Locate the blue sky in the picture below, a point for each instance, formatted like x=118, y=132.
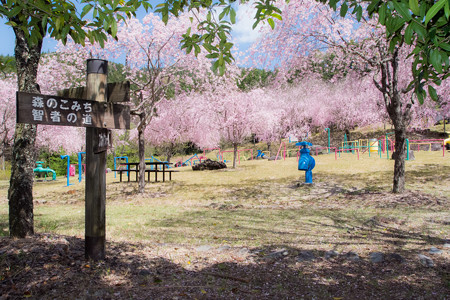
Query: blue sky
x=243, y=35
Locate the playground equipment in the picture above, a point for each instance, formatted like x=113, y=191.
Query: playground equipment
x=190, y=161
x=115, y=164
x=329, y=138
x=260, y=154
x=221, y=154
x=68, y=169
x=284, y=152
x=153, y=159
x=447, y=144
x=373, y=145
x=80, y=166
x=306, y=162
x=293, y=139
x=428, y=142
x=44, y=171
x=210, y=149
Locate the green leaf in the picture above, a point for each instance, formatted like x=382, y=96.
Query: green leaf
x=222, y=14
x=277, y=16
x=13, y=12
x=197, y=49
x=332, y=4
x=85, y=10
x=344, y=9
x=447, y=9
x=113, y=29
x=359, y=13
x=414, y=6
x=212, y=55
x=433, y=93
x=435, y=60
x=271, y=23
x=11, y=23
x=420, y=95
x=409, y=34
x=419, y=29
x=402, y=9
x=382, y=14
x=232, y=16
x=434, y=10
x=221, y=70
x=215, y=65
x=444, y=46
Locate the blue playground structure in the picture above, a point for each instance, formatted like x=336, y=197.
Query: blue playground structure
x=39, y=170
x=260, y=154
x=190, y=161
x=306, y=162
x=152, y=159
x=115, y=164
x=68, y=168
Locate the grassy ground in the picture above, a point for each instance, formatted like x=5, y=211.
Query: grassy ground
x=263, y=207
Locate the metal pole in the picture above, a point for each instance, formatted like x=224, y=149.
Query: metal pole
x=407, y=149
x=80, y=166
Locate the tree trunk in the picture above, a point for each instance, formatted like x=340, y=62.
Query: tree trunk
x=141, y=160
x=268, y=148
x=20, y=193
x=169, y=153
x=399, y=116
x=400, y=155
x=235, y=148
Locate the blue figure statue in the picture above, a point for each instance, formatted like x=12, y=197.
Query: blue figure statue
x=306, y=162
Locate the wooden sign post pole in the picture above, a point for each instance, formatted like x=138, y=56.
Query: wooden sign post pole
x=95, y=187
x=96, y=108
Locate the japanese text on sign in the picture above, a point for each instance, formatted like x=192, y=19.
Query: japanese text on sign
x=57, y=106
x=55, y=110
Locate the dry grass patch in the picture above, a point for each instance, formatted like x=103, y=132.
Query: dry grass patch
x=213, y=234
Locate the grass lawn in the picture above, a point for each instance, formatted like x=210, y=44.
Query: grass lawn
x=226, y=225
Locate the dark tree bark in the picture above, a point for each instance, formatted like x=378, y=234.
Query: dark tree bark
x=399, y=115
x=20, y=193
x=235, y=152
x=141, y=143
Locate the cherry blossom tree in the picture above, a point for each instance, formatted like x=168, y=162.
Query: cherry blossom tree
x=7, y=113
x=364, y=48
x=234, y=111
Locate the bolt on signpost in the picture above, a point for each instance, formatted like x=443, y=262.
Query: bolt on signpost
x=92, y=107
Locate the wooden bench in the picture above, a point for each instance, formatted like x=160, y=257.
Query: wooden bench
x=148, y=171
x=156, y=171
x=120, y=171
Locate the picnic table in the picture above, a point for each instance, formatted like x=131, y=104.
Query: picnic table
x=134, y=167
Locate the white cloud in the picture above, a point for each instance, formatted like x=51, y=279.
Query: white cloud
x=242, y=30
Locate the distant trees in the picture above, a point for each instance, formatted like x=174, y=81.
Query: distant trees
x=363, y=49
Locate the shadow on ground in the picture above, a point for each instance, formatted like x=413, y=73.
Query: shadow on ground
x=53, y=267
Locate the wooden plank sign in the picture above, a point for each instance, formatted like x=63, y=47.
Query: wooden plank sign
x=116, y=92
x=62, y=111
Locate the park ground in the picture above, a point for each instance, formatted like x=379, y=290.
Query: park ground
x=254, y=232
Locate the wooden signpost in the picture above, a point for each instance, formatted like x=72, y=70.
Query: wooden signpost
x=86, y=107
x=54, y=110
